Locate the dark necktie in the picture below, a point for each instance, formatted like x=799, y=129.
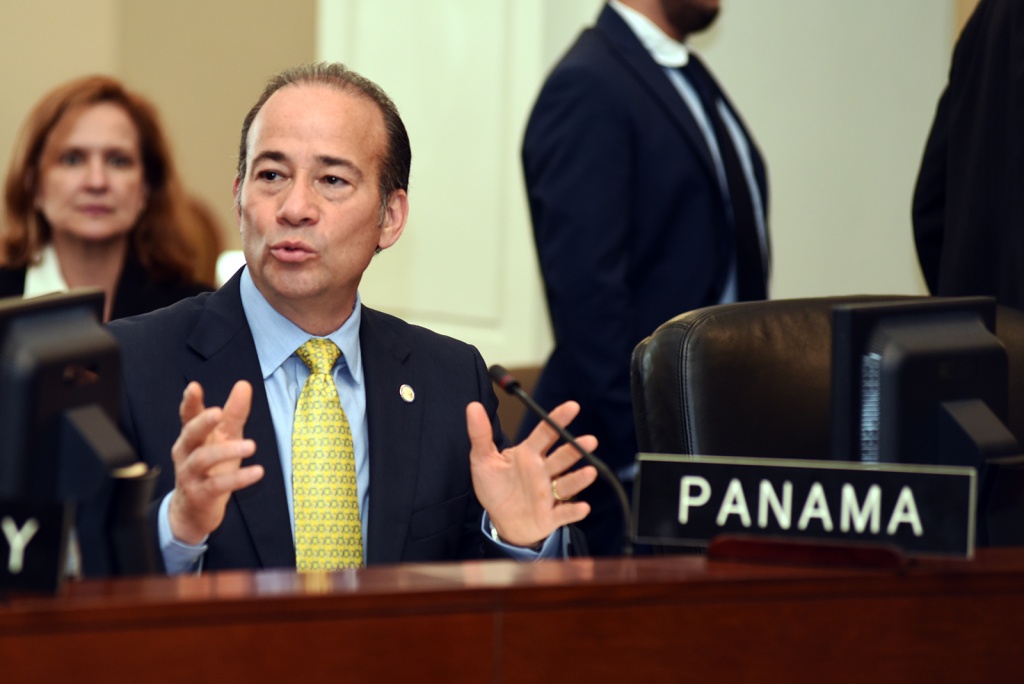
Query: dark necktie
x=750, y=266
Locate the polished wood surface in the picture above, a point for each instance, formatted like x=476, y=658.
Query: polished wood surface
x=643, y=619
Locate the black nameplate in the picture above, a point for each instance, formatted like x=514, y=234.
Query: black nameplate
x=688, y=500
x=33, y=540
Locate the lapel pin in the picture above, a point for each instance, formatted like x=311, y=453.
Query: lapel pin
x=406, y=393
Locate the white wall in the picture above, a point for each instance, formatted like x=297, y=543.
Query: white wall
x=839, y=95
x=46, y=42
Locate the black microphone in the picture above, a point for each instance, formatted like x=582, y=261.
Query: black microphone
x=506, y=381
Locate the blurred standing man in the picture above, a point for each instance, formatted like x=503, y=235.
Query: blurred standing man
x=648, y=198
x=968, y=213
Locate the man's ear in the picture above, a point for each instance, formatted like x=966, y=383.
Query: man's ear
x=395, y=215
x=235, y=188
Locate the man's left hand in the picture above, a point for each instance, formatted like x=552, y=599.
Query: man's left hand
x=517, y=486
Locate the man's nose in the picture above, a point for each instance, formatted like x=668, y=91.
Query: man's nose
x=300, y=206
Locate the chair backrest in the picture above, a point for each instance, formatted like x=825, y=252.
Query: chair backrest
x=754, y=378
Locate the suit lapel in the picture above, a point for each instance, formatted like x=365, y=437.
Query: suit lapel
x=625, y=46
x=395, y=436
x=227, y=353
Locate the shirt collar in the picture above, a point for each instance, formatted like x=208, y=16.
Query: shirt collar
x=666, y=51
x=44, y=277
x=277, y=338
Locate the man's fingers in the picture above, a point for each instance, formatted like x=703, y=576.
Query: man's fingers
x=198, y=423
x=207, y=489
x=236, y=411
x=208, y=457
x=195, y=432
x=544, y=436
x=572, y=483
x=211, y=456
x=569, y=513
x=478, y=425
x=566, y=456
x=197, y=504
x=191, y=402
x=228, y=482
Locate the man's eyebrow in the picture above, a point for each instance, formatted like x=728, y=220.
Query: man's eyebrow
x=327, y=160
x=269, y=155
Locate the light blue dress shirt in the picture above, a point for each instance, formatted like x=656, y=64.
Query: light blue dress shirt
x=284, y=373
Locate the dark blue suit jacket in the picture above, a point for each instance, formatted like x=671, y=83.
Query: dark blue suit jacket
x=630, y=223
x=422, y=505
x=136, y=292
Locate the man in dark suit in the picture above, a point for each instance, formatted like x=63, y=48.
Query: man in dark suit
x=641, y=210
x=967, y=212
x=321, y=187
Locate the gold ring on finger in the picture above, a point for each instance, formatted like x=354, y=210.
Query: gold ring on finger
x=554, y=491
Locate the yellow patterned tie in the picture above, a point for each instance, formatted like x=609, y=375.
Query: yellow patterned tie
x=328, y=534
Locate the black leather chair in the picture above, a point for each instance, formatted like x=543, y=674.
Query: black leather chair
x=754, y=379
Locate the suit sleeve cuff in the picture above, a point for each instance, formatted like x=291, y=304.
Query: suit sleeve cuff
x=552, y=547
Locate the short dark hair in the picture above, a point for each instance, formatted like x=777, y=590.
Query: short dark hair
x=394, y=166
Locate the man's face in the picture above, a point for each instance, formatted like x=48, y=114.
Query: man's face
x=690, y=16
x=309, y=206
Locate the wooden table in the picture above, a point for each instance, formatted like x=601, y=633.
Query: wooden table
x=643, y=619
